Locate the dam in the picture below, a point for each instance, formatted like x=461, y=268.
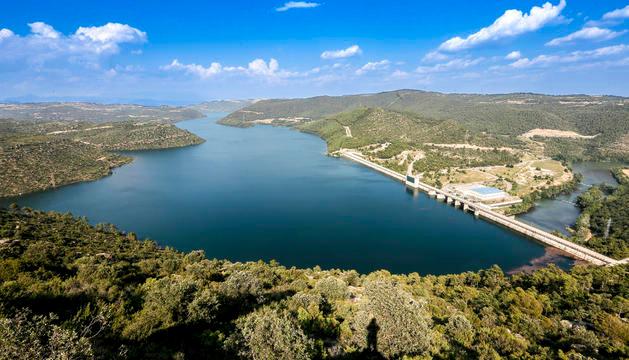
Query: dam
x=486, y=212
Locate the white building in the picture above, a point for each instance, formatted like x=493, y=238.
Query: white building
x=483, y=193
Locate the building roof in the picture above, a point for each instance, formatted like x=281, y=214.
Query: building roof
x=486, y=190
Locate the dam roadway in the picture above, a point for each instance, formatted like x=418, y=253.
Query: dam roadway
x=484, y=211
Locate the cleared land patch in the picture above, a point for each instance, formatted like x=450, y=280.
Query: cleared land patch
x=553, y=133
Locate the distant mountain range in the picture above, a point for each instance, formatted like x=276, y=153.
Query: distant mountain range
x=221, y=105
x=80, y=111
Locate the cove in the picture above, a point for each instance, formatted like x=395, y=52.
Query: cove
x=271, y=193
x=561, y=212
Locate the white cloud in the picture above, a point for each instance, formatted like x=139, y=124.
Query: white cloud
x=195, y=69
x=340, y=54
x=610, y=18
x=261, y=67
x=511, y=23
x=256, y=68
x=514, y=55
x=373, y=66
x=108, y=36
x=588, y=33
x=5, y=34
x=297, y=5
x=399, y=74
x=455, y=64
x=44, y=30
x=434, y=56
x=86, y=46
x=573, y=57
x=617, y=14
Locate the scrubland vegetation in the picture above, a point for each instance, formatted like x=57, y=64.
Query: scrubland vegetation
x=508, y=115
x=71, y=290
x=604, y=221
x=36, y=156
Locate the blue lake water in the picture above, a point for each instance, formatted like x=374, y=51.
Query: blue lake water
x=561, y=212
x=271, y=193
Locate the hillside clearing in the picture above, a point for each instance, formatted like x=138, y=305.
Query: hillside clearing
x=553, y=133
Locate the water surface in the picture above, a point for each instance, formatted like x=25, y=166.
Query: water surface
x=271, y=193
x=561, y=212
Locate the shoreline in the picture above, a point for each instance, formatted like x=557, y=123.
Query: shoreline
x=218, y=122
x=522, y=228
x=126, y=159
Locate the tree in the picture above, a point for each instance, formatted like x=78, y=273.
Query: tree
x=165, y=305
x=269, y=334
x=28, y=336
x=392, y=322
x=460, y=330
x=332, y=288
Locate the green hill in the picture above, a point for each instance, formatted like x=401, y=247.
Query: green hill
x=401, y=129
x=508, y=114
x=37, y=156
x=69, y=290
x=41, y=165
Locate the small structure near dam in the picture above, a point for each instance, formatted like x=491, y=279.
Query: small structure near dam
x=487, y=195
x=483, y=193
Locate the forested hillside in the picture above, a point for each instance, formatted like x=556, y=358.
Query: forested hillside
x=604, y=221
x=377, y=125
x=70, y=290
x=605, y=117
x=36, y=156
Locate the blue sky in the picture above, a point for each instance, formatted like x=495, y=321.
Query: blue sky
x=187, y=51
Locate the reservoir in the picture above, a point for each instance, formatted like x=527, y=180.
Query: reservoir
x=271, y=193
x=561, y=212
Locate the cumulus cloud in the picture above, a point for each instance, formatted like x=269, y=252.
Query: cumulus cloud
x=256, y=68
x=617, y=14
x=455, y=64
x=261, y=67
x=5, y=34
x=340, y=54
x=587, y=33
x=297, y=5
x=87, y=45
x=373, y=66
x=511, y=23
x=195, y=69
x=44, y=30
x=108, y=36
x=514, y=55
x=573, y=57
